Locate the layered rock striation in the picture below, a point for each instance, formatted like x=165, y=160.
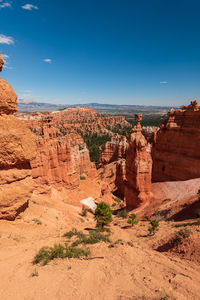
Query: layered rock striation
x=61, y=159
x=114, y=150
x=17, y=148
x=176, y=147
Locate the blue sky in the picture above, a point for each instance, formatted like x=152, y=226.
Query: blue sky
x=120, y=52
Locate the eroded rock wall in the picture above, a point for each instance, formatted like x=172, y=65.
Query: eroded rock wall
x=17, y=148
x=61, y=159
x=176, y=147
x=114, y=150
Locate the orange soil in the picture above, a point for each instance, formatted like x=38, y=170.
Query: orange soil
x=128, y=271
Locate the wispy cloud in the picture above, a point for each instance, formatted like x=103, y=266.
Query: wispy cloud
x=5, y=4
x=48, y=60
x=30, y=7
x=6, y=39
x=6, y=58
x=163, y=82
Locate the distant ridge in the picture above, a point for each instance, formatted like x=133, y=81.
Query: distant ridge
x=28, y=106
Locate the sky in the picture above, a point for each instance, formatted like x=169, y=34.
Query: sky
x=107, y=51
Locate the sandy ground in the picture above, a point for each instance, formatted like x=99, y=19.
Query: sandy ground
x=134, y=270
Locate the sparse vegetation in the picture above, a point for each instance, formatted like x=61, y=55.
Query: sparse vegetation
x=182, y=234
x=116, y=199
x=94, y=237
x=47, y=254
x=132, y=219
x=196, y=223
x=37, y=221
x=95, y=144
x=82, y=177
x=154, y=226
x=102, y=215
x=122, y=213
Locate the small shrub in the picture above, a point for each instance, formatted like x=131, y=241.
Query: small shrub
x=198, y=193
x=117, y=200
x=93, y=238
x=154, y=227
x=132, y=219
x=47, y=254
x=182, y=234
x=74, y=232
x=37, y=221
x=122, y=213
x=114, y=204
x=82, y=177
x=102, y=214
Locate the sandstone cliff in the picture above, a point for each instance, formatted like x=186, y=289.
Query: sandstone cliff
x=176, y=147
x=17, y=148
x=61, y=159
x=114, y=150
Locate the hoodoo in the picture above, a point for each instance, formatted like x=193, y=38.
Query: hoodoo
x=133, y=177
x=17, y=148
x=175, y=151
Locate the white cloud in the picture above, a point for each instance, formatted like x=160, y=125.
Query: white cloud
x=6, y=39
x=29, y=7
x=5, y=4
x=163, y=82
x=48, y=60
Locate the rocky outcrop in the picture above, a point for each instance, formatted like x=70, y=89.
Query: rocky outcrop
x=8, y=98
x=176, y=147
x=133, y=178
x=17, y=148
x=61, y=159
x=114, y=150
x=120, y=180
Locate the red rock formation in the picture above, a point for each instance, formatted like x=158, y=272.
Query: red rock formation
x=8, y=98
x=61, y=159
x=176, y=148
x=120, y=180
x=138, y=169
x=17, y=148
x=76, y=120
x=114, y=150
x=133, y=179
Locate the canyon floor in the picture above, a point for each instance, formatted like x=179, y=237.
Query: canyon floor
x=131, y=269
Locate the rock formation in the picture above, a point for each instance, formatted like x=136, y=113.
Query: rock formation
x=61, y=159
x=138, y=168
x=176, y=147
x=114, y=150
x=133, y=177
x=17, y=148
